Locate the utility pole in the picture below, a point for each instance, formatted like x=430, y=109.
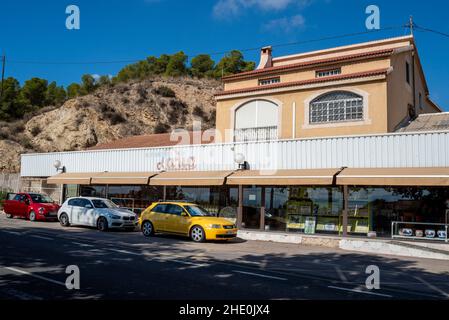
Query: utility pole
x=411, y=25
x=3, y=76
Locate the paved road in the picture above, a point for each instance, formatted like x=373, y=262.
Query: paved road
x=125, y=265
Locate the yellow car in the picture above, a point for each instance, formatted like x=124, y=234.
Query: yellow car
x=187, y=219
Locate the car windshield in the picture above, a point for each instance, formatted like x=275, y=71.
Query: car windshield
x=40, y=198
x=103, y=204
x=197, y=211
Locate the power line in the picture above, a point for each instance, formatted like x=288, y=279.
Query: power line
x=431, y=30
x=348, y=35
x=410, y=25
x=279, y=45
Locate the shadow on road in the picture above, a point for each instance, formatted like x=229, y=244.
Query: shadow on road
x=127, y=271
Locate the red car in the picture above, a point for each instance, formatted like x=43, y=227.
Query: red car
x=32, y=206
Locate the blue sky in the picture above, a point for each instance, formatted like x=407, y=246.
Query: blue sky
x=114, y=30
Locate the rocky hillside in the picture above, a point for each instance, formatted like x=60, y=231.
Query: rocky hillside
x=110, y=113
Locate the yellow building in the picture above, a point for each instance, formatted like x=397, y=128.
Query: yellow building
x=373, y=87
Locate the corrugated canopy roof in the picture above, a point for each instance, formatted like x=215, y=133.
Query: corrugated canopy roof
x=283, y=177
x=428, y=122
x=394, y=177
x=190, y=178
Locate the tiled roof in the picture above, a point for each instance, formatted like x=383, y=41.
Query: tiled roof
x=428, y=122
x=306, y=82
x=153, y=140
x=372, y=54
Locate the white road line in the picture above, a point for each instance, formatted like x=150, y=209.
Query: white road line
x=82, y=244
x=125, y=252
x=12, y=232
x=341, y=274
x=361, y=291
x=431, y=286
x=189, y=263
x=41, y=237
x=34, y=275
x=260, y=275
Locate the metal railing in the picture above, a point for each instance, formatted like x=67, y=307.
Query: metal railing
x=256, y=134
x=420, y=231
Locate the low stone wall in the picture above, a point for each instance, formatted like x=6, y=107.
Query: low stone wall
x=388, y=248
x=10, y=182
x=40, y=185
x=371, y=246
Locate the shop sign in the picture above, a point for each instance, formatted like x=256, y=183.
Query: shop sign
x=309, y=226
x=176, y=163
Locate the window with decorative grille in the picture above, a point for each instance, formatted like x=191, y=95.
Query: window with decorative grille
x=337, y=106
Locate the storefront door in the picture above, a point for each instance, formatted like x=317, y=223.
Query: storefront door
x=252, y=204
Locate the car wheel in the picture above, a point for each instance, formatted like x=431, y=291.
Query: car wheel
x=102, y=224
x=32, y=216
x=64, y=220
x=197, y=234
x=147, y=229
x=8, y=215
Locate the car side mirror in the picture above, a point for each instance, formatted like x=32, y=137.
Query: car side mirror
x=88, y=206
x=184, y=214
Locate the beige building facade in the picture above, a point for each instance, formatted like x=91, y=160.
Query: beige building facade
x=367, y=88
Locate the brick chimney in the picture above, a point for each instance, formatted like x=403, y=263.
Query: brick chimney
x=266, y=59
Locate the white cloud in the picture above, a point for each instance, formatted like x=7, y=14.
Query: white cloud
x=232, y=8
x=286, y=24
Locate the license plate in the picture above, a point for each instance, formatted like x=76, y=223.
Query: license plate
x=52, y=214
x=230, y=232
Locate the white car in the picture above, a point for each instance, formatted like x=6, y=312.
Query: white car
x=96, y=212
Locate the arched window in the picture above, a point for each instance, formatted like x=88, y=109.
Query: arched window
x=256, y=120
x=336, y=106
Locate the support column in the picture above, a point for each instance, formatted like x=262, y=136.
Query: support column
x=240, y=208
x=262, y=210
x=164, y=193
x=345, y=210
x=62, y=194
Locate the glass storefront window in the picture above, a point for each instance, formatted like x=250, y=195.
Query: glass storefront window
x=230, y=202
x=218, y=200
x=135, y=198
x=93, y=191
x=206, y=197
x=70, y=191
x=289, y=208
x=304, y=209
x=379, y=207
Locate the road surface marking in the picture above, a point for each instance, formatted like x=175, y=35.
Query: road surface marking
x=82, y=244
x=125, y=252
x=34, y=275
x=341, y=274
x=41, y=237
x=189, y=263
x=260, y=275
x=361, y=291
x=431, y=286
x=12, y=232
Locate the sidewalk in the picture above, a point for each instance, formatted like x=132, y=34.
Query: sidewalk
x=415, y=249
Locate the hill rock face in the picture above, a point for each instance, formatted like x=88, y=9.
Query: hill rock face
x=110, y=113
